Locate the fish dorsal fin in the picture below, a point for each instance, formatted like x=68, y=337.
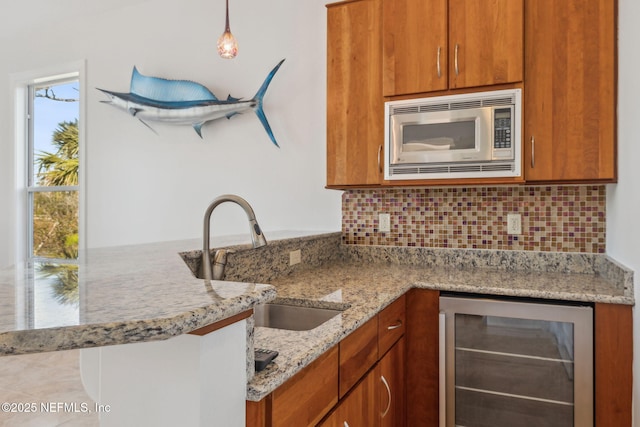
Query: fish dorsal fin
x=165, y=90
x=233, y=99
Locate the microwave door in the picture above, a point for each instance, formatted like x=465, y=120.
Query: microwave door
x=439, y=137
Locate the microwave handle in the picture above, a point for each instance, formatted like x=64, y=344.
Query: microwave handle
x=533, y=151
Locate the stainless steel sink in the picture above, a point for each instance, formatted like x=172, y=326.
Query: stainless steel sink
x=292, y=317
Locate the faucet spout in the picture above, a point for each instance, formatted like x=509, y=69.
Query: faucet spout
x=257, y=237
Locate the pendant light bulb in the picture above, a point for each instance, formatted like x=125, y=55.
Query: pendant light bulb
x=227, y=44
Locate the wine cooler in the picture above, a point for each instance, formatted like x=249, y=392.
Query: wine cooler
x=506, y=363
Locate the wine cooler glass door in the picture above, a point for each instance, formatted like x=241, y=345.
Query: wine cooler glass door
x=511, y=363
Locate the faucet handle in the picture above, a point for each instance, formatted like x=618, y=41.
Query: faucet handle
x=220, y=256
x=219, y=262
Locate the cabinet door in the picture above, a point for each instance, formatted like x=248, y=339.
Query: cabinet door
x=309, y=395
x=414, y=46
x=360, y=408
x=391, y=387
x=570, y=84
x=422, y=361
x=355, y=106
x=613, y=348
x=485, y=42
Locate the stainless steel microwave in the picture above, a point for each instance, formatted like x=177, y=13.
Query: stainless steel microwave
x=475, y=135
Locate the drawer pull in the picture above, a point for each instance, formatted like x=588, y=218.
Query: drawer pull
x=386, y=384
x=396, y=326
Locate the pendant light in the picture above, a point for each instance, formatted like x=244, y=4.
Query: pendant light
x=227, y=44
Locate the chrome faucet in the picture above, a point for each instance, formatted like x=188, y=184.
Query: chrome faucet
x=220, y=256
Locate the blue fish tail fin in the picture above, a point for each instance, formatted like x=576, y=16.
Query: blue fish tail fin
x=258, y=99
x=265, y=123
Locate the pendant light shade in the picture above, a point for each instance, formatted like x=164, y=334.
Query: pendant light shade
x=227, y=44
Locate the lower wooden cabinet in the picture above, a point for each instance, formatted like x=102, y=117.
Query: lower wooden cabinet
x=366, y=384
x=301, y=401
x=359, y=408
x=378, y=400
x=613, y=364
x=391, y=386
x=422, y=361
x=400, y=387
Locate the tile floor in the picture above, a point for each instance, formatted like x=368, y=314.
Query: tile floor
x=49, y=383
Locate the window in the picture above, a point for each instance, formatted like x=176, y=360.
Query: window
x=52, y=168
x=49, y=214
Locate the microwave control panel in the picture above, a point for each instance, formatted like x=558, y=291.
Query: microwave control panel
x=502, y=128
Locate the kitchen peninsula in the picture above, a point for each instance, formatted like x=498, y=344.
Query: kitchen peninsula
x=138, y=309
x=163, y=300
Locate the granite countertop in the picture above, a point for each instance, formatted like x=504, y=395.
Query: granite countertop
x=121, y=295
x=146, y=292
x=367, y=279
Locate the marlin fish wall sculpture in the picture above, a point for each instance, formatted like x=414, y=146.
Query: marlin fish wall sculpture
x=184, y=102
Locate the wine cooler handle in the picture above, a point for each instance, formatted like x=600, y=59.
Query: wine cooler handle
x=442, y=377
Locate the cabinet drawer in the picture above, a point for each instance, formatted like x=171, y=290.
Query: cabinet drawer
x=391, y=325
x=309, y=395
x=358, y=353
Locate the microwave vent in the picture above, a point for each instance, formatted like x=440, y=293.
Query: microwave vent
x=428, y=105
x=410, y=109
x=491, y=102
x=451, y=171
x=434, y=107
x=477, y=103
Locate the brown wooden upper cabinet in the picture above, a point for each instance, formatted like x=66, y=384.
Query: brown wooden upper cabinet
x=570, y=90
x=435, y=45
x=355, y=106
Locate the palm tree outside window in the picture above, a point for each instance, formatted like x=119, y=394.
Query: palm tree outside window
x=53, y=201
x=53, y=170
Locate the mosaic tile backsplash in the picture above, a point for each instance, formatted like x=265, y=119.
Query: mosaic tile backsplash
x=554, y=218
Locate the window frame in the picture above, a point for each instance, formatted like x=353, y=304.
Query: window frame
x=26, y=188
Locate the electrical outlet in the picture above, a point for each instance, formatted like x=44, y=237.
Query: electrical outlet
x=384, y=222
x=514, y=224
x=295, y=257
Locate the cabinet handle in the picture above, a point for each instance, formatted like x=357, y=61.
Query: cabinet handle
x=386, y=384
x=346, y=424
x=533, y=152
x=396, y=326
x=438, y=63
x=455, y=60
x=442, y=378
x=379, y=158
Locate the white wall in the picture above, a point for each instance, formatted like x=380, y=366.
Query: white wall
x=623, y=199
x=143, y=187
